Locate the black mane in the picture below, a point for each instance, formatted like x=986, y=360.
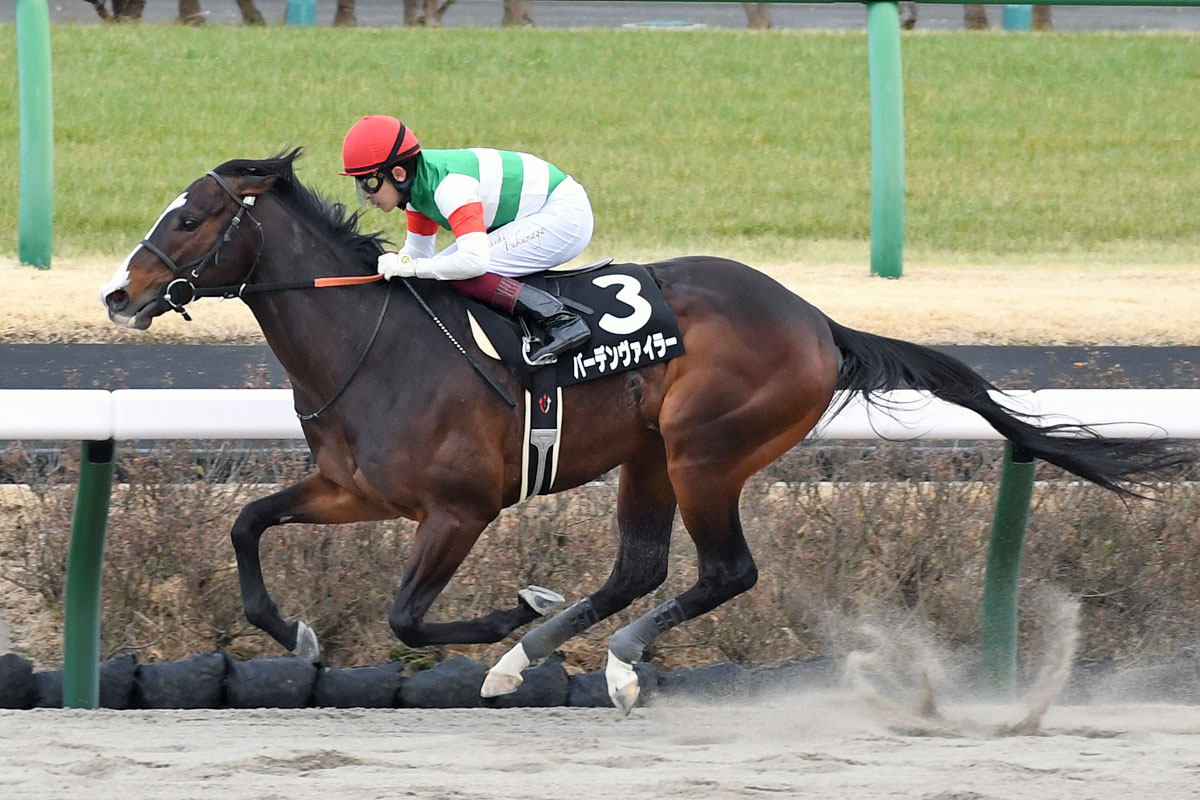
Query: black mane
x=342, y=226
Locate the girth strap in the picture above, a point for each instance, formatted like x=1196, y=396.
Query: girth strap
x=543, y=433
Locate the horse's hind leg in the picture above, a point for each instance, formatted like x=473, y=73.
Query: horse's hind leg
x=645, y=511
x=743, y=396
x=315, y=499
x=726, y=569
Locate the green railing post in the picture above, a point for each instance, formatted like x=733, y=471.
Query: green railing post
x=1001, y=582
x=301, y=13
x=35, y=215
x=85, y=564
x=887, y=139
x=1016, y=17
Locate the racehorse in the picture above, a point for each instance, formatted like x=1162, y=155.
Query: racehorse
x=403, y=421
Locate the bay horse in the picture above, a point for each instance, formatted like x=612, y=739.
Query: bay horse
x=401, y=423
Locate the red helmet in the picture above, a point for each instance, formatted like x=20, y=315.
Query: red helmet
x=375, y=142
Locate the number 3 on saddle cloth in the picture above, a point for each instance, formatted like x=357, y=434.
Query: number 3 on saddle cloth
x=632, y=326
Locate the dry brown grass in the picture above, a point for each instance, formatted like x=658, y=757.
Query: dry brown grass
x=1095, y=300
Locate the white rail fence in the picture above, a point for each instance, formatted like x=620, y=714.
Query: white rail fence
x=97, y=414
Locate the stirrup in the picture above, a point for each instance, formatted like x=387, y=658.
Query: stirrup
x=569, y=335
x=544, y=360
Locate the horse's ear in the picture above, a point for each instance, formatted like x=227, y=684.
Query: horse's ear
x=255, y=184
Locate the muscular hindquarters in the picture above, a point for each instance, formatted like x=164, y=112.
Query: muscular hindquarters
x=759, y=371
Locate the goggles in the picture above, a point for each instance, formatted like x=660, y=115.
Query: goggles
x=368, y=184
x=371, y=183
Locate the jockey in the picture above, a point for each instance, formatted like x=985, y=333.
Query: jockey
x=511, y=214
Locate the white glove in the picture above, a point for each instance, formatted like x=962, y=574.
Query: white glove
x=398, y=265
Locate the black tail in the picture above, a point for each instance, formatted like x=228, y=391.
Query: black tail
x=872, y=364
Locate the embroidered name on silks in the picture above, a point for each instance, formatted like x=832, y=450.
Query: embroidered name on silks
x=624, y=354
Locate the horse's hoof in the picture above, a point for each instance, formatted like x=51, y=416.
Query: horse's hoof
x=622, y=683
x=541, y=599
x=306, y=643
x=505, y=677
x=498, y=683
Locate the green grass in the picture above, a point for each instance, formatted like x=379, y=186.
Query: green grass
x=739, y=143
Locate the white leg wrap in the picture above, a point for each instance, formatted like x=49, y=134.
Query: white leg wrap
x=622, y=683
x=505, y=677
x=306, y=643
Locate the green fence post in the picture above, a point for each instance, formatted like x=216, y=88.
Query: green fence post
x=85, y=564
x=887, y=139
x=301, y=13
x=1016, y=17
x=35, y=215
x=1001, y=582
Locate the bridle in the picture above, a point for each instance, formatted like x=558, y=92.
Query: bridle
x=181, y=291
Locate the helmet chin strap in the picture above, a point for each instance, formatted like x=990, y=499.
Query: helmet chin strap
x=404, y=187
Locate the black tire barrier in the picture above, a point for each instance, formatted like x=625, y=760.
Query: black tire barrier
x=360, y=687
x=216, y=680
x=818, y=672
x=193, y=682
x=116, y=684
x=455, y=684
x=269, y=683
x=17, y=689
x=716, y=681
x=450, y=684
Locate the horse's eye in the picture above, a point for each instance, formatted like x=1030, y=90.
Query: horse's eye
x=189, y=223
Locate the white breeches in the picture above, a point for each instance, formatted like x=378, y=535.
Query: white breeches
x=554, y=235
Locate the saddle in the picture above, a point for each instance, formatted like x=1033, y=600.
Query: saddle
x=632, y=326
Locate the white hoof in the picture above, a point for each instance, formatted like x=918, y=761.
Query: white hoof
x=541, y=599
x=622, y=683
x=505, y=677
x=306, y=643
x=497, y=684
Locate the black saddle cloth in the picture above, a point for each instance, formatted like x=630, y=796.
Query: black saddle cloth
x=632, y=325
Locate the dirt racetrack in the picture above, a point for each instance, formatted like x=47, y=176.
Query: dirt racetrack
x=802, y=746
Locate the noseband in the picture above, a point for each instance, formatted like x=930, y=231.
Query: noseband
x=181, y=291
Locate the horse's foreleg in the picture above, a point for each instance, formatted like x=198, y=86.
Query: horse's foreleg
x=315, y=499
x=726, y=569
x=645, y=511
x=442, y=541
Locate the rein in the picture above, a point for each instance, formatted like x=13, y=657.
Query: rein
x=181, y=292
x=387, y=300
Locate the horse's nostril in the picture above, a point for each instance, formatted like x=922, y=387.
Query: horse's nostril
x=117, y=300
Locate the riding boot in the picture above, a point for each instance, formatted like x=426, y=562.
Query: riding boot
x=564, y=329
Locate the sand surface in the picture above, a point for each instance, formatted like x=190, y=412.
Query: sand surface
x=801, y=746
